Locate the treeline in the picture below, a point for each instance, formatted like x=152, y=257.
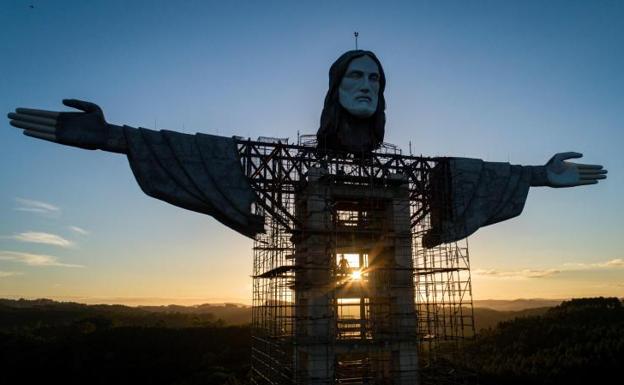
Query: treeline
x=35, y=313
x=43, y=341
x=21, y=314
x=578, y=342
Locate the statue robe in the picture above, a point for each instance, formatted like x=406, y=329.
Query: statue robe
x=467, y=194
x=203, y=173
x=198, y=172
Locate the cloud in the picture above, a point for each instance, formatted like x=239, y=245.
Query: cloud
x=33, y=259
x=618, y=262
x=517, y=274
x=79, y=230
x=546, y=273
x=45, y=238
x=4, y=274
x=36, y=206
x=613, y=263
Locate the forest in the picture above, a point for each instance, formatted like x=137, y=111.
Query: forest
x=576, y=342
x=580, y=341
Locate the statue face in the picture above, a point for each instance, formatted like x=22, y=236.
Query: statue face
x=359, y=88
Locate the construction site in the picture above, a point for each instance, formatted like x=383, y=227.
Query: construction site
x=343, y=290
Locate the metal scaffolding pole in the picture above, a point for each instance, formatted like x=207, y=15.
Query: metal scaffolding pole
x=343, y=290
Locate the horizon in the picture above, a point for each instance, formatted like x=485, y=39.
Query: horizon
x=510, y=82
x=193, y=302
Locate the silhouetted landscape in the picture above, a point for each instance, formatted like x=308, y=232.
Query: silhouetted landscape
x=574, y=342
x=578, y=342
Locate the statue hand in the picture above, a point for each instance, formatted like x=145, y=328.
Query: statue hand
x=86, y=129
x=568, y=174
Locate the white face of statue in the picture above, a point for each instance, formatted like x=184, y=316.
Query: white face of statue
x=359, y=89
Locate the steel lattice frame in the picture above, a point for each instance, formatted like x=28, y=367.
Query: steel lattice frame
x=441, y=274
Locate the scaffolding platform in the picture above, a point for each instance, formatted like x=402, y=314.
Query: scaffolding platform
x=343, y=290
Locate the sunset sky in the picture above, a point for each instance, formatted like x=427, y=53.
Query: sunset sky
x=512, y=81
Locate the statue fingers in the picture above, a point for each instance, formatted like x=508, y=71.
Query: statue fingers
x=567, y=155
x=589, y=166
x=82, y=105
x=40, y=135
x=593, y=177
x=40, y=113
x=592, y=172
x=32, y=119
x=584, y=182
x=33, y=127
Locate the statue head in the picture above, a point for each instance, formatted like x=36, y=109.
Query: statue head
x=353, y=116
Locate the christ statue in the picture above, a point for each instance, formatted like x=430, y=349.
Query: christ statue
x=203, y=173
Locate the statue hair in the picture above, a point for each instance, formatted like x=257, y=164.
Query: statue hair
x=334, y=117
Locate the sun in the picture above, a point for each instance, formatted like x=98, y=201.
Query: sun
x=356, y=275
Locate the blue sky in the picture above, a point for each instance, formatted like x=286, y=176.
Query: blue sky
x=512, y=81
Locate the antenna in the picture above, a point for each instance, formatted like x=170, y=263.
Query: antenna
x=356, y=34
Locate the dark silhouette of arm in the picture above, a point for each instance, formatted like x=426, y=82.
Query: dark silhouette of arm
x=86, y=129
x=199, y=172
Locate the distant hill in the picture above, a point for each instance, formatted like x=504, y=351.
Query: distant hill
x=488, y=313
x=486, y=318
x=30, y=313
x=230, y=313
x=516, y=304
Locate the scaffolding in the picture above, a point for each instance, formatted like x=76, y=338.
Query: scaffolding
x=343, y=291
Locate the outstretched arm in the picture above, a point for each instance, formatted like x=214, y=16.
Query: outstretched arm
x=559, y=173
x=471, y=193
x=87, y=129
x=201, y=173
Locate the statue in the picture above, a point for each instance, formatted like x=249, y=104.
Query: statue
x=202, y=172
x=353, y=116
